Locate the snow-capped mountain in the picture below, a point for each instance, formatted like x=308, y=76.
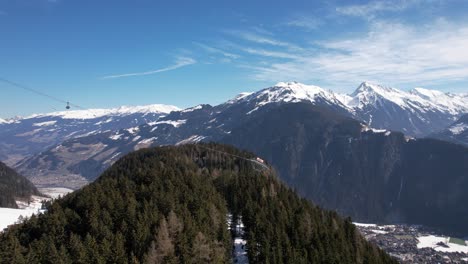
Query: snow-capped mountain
x=418, y=112
x=456, y=132
x=330, y=158
x=382, y=108
x=21, y=137
x=202, y=122
x=289, y=92
x=120, y=111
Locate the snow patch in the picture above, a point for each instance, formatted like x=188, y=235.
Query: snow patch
x=9, y=216
x=174, y=123
x=191, y=109
x=48, y=123
x=458, y=128
x=239, y=253
x=191, y=139
x=133, y=130
x=104, y=122
x=148, y=140
x=116, y=136
x=431, y=241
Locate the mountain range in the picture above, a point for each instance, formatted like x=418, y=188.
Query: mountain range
x=342, y=151
x=185, y=204
x=24, y=137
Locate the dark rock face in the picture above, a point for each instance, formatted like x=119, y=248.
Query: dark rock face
x=374, y=177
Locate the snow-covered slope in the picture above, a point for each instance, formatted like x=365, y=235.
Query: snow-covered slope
x=27, y=136
x=418, y=112
x=456, y=132
x=448, y=102
x=289, y=92
x=3, y=121
x=120, y=111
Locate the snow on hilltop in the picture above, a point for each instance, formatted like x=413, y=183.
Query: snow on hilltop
x=418, y=98
x=367, y=93
x=120, y=111
x=417, y=112
x=288, y=92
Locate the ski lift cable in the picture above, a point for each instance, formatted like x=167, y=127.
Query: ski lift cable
x=24, y=87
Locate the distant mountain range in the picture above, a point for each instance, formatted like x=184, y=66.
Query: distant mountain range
x=344, y=152
x=417, y=113
x=23, y=137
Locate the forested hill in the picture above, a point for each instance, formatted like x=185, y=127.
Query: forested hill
x=13, y=186
x=170, y=205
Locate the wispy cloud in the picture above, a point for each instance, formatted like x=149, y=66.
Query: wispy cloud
x=180, y=62
x=260, y=39
x=270, y=53
x=216, y=50
x=305, y=22
x=391, y=53
x=369, y=10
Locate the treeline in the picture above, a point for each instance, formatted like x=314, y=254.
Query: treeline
x=169, y=205
x=14, y=186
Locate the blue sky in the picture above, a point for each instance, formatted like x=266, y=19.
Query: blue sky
x=112, y=53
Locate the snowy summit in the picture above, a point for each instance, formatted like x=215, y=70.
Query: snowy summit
x=120, y=111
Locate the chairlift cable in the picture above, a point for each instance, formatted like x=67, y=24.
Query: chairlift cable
x=24, y=87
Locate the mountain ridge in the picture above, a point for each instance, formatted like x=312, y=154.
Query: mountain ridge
x=23, y=137
x=171, y=204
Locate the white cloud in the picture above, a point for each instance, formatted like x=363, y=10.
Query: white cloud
x=305, y=22
x=216, y=50
x=388, y=53
x=269, y=53
x=261, y=39
x=370, y=9
x=180, y=62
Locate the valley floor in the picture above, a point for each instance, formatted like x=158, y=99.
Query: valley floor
x=415, y=244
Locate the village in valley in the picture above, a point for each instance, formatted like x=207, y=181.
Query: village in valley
x=415, y=244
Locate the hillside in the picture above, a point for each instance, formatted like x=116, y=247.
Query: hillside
x=170, y=205
x=13, y=187
x=370, y=175
x=456, y=132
